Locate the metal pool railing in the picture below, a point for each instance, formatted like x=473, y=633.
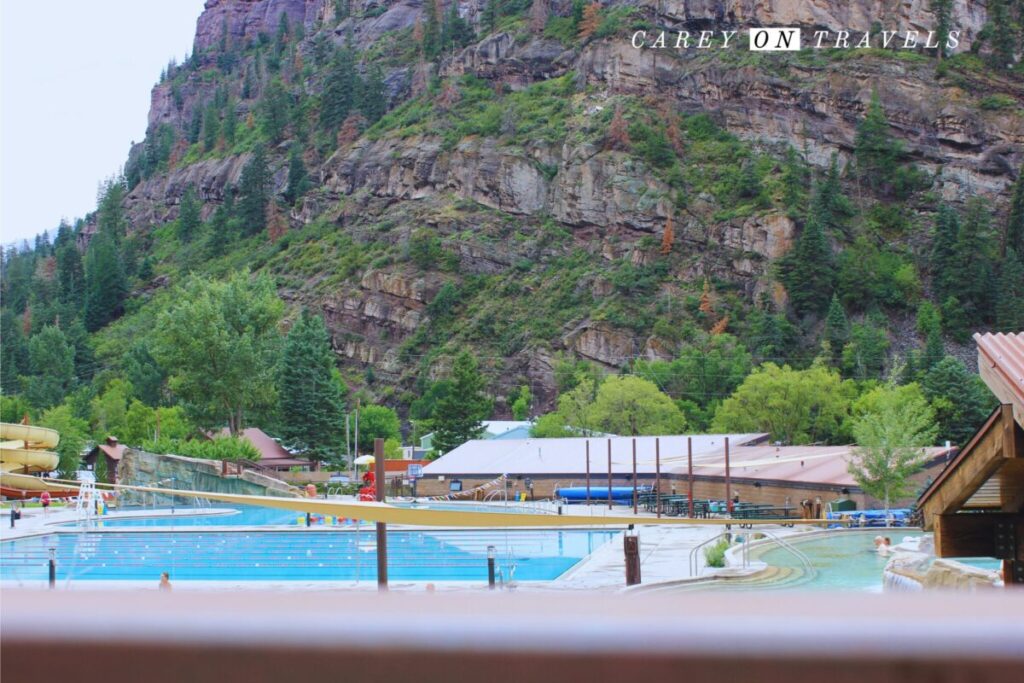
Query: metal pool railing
x=805, y=561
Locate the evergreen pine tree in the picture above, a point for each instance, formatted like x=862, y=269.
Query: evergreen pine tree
x=189, y=220
x=864, y=355
x=298, y=177
x=84, y=357
x=339, y=91
x=217, y=236
x=70, y=272
x=929, y=325
x=943, y=11
x=829, y=203
x=110, y=216
x=51, y=368
x=311, y=399
x=794, y=182
x=195, y=126
x=274, y=110
x=910, y=370
x=808, y=272
x=105, y=286
x=960, y=399
x=253, y=193
x=837, y=328
x=230, y=123
x=489, y=17
x=431, y=30
x=455, y=32
x=875, y=149
x=211, y=126
x=577, y=13
x=1003, y=34
x=944, y=253
x=954, y=320
x=146, y=269
x=1014, y=234
x=373, y=97
x=13, y=352
x=458, y=416
x=1010, y=306
x=975, y=254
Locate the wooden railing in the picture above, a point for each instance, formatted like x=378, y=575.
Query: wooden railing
x=498, y=637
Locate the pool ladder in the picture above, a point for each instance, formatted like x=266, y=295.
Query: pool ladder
x=805, y=562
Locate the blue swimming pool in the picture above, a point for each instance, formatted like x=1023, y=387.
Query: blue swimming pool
x=843, y=560
x=319, y=555
x=248, y=515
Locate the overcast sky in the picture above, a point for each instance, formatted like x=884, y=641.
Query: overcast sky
x=75, y=77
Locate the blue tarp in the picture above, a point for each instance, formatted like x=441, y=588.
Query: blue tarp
x=898, y=516
x=619, y=493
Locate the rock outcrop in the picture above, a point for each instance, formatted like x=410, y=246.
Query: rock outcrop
x=500, y=208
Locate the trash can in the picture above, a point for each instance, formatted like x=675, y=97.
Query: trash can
x=842, y=505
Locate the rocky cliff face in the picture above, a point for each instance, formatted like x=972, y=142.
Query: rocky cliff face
x=605, y=203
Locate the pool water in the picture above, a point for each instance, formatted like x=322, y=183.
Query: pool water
x=844, y=560
x=522, y=555
x=249, y=515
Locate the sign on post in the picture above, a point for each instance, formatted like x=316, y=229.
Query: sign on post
x=415, y=471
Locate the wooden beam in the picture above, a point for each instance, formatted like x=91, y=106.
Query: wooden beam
x=981, y=459
x=982, y=534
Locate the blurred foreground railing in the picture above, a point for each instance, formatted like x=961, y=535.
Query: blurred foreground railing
x=461, y=636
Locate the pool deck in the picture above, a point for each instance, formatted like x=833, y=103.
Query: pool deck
x=664, y=553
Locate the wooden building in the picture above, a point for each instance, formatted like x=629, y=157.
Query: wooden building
x=976, y=505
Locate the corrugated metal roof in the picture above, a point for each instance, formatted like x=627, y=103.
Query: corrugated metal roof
x=568, y=456
x=1001, y=364
x=747, y=460
x=808, y=464
x=272, y=454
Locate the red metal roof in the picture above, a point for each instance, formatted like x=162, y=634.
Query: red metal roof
x=113, y=451
x=804, y=464
x=272, y=454
x=1001, y=365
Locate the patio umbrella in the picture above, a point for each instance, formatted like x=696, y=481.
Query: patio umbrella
x=365, y=460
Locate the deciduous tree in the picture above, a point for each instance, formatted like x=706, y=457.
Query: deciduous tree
x=891, y=439
x=218, y=343
x=793, y=406
x=630, y=405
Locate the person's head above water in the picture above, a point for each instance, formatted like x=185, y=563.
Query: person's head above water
x=879, y=541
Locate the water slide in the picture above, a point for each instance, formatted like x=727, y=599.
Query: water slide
x=24, y=451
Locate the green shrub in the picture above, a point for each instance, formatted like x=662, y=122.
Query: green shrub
x=997, y=102
x=219, y=448
x=714, y=555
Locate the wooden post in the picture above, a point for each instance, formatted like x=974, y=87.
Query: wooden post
x=634, y=478
x=689, y=460
x=728, y=482
x=609, y=474
x=588, y=471
x=657, y=477
x=631, y=546
x=382, y=528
